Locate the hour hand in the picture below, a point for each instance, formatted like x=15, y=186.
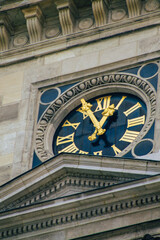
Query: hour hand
x=86, y=107
x=106, y=113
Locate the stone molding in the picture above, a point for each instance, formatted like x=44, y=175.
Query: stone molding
x=92, y=87
x=34, y=20
x=77, y=181
x=59, y=43
x=5, y=30
x=100, y=10
x=68, y=15
x=89, y=214
x=136, y=197
x=134, y=7
x=67, y=12
x=62, y=172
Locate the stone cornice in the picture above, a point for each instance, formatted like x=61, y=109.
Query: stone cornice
x=136, y=199
x=62, y=42
x=36, y=185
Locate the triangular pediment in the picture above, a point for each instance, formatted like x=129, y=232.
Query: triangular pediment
x=69, y=174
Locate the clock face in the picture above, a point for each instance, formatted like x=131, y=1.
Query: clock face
x=104, y=125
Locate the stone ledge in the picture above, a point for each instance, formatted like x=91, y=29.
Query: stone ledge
x=128, y=204
x=42, y=175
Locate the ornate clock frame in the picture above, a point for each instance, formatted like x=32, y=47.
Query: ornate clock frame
x=109, y=83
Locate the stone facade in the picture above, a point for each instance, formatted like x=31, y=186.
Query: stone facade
x=53, y=43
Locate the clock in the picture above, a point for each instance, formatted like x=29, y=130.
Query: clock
x=103, y=125
x=110, y=115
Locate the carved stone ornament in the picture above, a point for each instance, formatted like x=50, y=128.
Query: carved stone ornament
x=118, y=14
x=20, y=40
x=152, y=5
x=100, y=10
x=85, y=23
x=52, y=32
x=34, y=19
x=5, y=30
x=100, y=210
x=134, y=7
x=67, y=12
x=58, y=109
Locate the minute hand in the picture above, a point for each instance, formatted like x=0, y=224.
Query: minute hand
x=86, y=107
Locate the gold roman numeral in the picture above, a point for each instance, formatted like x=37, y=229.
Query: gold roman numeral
x=103, y=103
x=120, y=102
x=132, y=109
x=129, y=136
x=115, y=149
x=85, y=115
x=70, y=149
x=83, y=152
x=98, y=153
x=136, y=121
x=66, y=139
x=69, y=124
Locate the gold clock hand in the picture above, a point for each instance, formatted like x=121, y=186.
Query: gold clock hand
x=106, y=113
x=86, y=107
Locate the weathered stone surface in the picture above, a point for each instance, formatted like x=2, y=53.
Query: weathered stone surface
x=9, y=112
x=11, y=87
x=6, y=162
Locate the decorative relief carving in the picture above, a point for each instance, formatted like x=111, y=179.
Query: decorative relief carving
x=34, y=19
x=134, y=7
x=66, y=20
x=100, y=10
x=83, y=214
x=5, y=29
x=131, y=82
x=118, y=14
x=67, y=11
x=152, y=5
x=20, y=40
x=85, y=23
x=52, y=32
x=79, y=180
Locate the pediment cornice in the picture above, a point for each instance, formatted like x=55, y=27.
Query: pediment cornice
x=136, y=199
x=89, y=190
x=69, y=174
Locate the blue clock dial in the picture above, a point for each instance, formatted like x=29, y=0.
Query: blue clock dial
x=104, y=125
